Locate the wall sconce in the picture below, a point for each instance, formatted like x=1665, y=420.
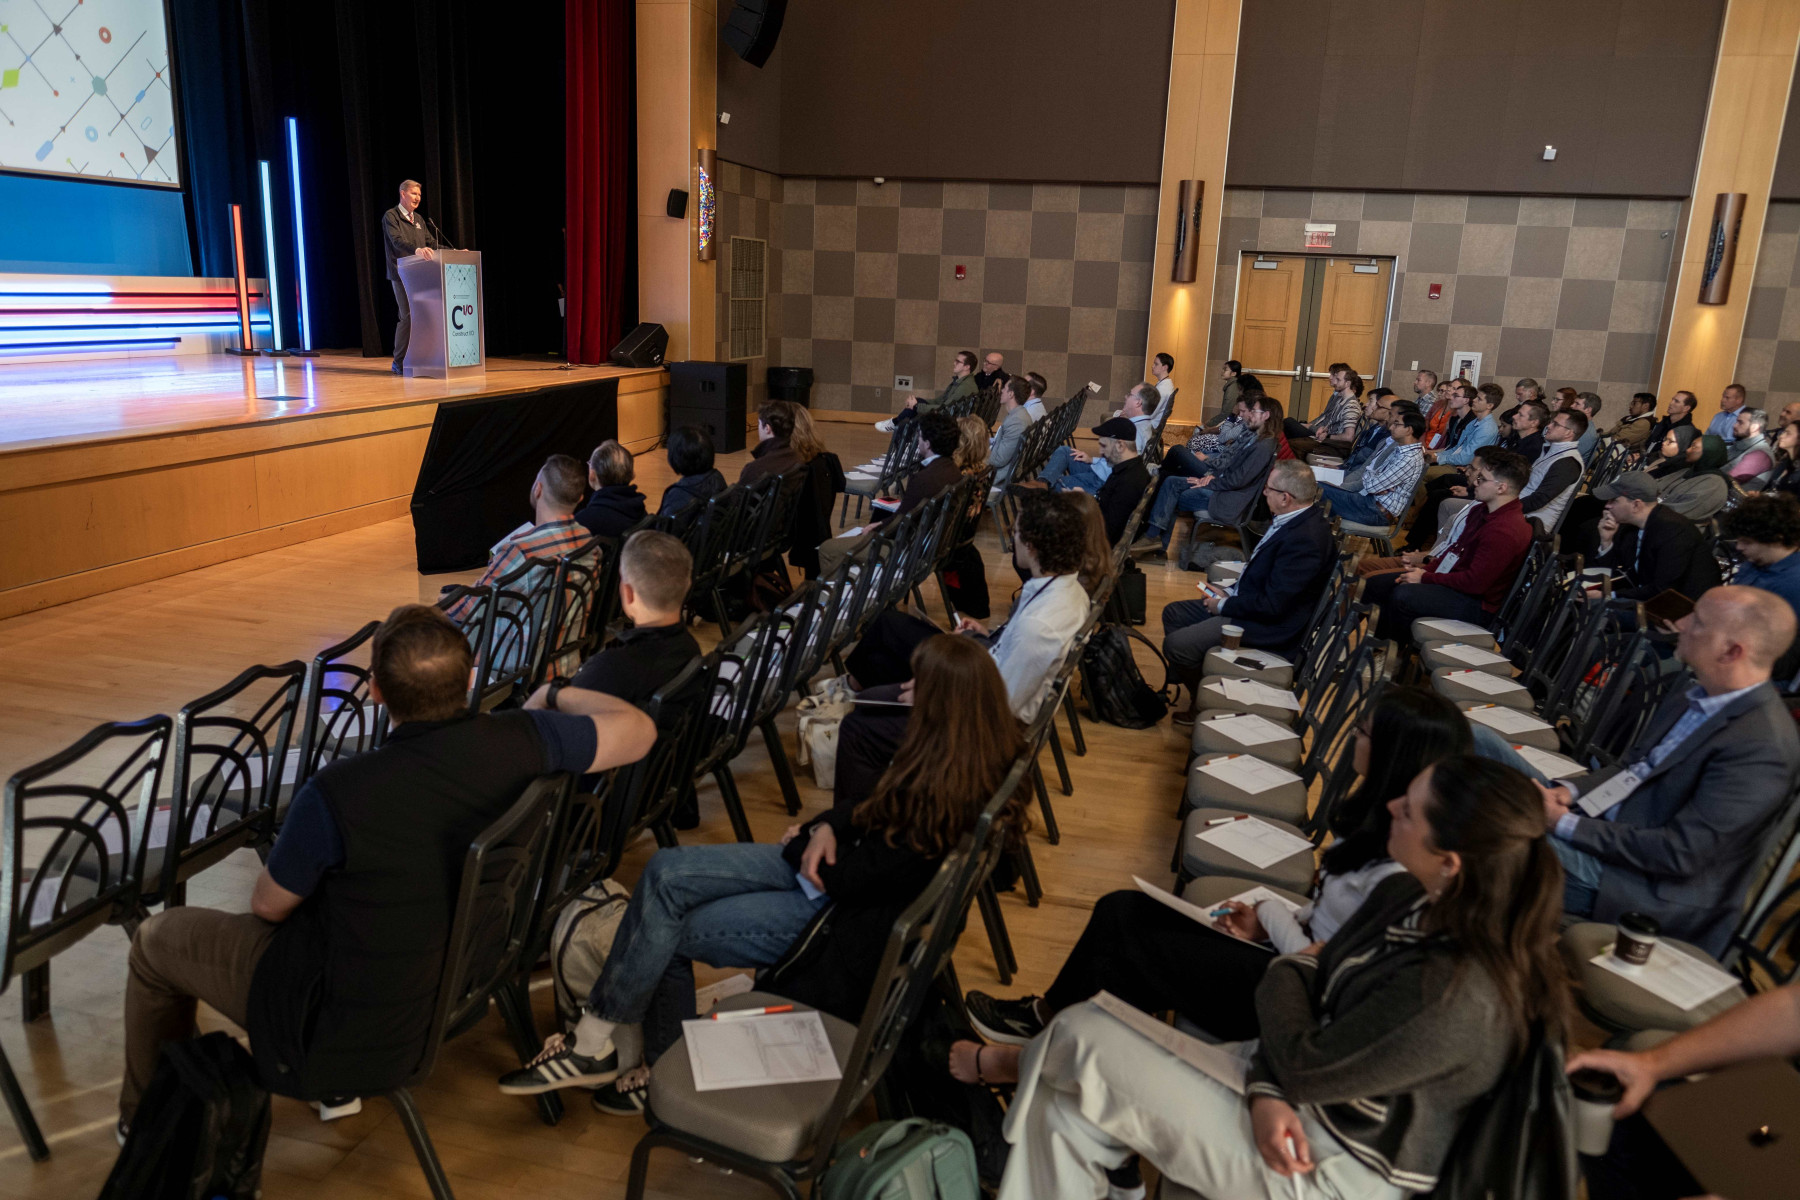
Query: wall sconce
x=1188, y=201
x=1721, y=247
x=709, y=169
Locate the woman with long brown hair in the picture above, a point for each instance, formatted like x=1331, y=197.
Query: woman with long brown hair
x=1374, y=1048
x=742, y=904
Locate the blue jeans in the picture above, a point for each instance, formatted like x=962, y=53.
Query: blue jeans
x=1062, y=472
x=1581, y=878
x=730, y=905
x=1175, y=495
x=1355, y=506
x=1179, y=460
x=1492, y=744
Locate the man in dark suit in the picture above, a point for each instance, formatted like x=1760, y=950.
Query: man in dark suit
x=1129, y=480
x=1678, y=830
x=1666, y=550
x=1274, y=598
x=939, y=434
x=404, y=233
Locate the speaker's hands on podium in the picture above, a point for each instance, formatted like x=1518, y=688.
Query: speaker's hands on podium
x=427, y=252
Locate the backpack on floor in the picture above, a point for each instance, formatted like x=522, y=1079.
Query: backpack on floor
x=919, y=1084
x=580, y=941
x=200, y=1130
x=1114, y=687
x=903, y=1160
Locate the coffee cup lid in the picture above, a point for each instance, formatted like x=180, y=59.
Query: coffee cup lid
x=1596, y=1087
x=1641, y=924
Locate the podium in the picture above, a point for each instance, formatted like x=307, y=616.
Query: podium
x=449, y=323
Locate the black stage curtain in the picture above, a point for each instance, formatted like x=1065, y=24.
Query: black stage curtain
x=434, y=90
x=474, y=486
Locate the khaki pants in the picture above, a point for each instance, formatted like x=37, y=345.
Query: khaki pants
x=834, y=551
x=1371, y=565
x=180, y=956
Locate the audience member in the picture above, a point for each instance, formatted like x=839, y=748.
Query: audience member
x=690, y=451
x=774, y=453
x=1751, y=459
x=825, y=482
x=940, y=435
x=1677, y=829
x=742, y=904
x=993, y=371
x=1035, y=405
x=334, y=971
x=1669, y=455
x=1790, y=412
x=655, y=571
x=1786, y=477
x=1128, y=480
x=1274, y=597
x=1225, y=492
x=1207, y=441
x=552, y=532
x=1697, y=488
x=616, y=505
x=1468, y=582
x=1679, y=416
x=1435, y=986
x=960, y=387
x=1528, y=390
x=1389, y=478
x=1162, y=366
x=1588, y=404
x=1528, y=422
x=1334, y=429
x=1425, y=391
x=1003, y=454
x=1377, y=409
x=1634, y=430
x=1766, y=531
x=1479, y=429
x=971, y=445
x=1557, y=471
x=1231, y=378
x=1724, y=425
x=1069, y=468
x=1657, y=548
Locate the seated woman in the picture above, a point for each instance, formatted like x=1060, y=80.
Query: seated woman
x=742, y=905
x=964, y=572
x=690, y=451
x=1156, y=959
x=1700, y=491
x=1373, y=1048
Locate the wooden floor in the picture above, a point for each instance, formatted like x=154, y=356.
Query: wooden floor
x=150, y=648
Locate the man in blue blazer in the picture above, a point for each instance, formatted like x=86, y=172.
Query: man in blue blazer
x=1273, y=599
x=1678, y=830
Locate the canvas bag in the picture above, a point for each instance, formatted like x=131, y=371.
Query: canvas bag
x=820, y=715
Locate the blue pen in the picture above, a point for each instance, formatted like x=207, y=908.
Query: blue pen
x=1219, y=912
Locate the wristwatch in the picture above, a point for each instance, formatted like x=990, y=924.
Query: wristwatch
x=556, y=687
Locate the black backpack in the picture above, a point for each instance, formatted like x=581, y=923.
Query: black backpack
x=200, y=1129
x=1519, y=1142
x=1115, y=688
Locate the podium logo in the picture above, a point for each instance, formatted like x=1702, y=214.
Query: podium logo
x=458, y=312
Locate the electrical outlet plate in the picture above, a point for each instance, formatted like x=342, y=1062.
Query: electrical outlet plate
x=902, y=382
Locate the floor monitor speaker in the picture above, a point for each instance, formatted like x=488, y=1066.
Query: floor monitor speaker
x=642, y=347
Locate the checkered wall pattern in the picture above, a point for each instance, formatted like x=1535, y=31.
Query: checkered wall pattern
x=1566, y=291
x=1769, y=357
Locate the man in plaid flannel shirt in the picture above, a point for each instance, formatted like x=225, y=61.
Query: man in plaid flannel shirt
x=556, y=493
x=1388, y=479
x=1334, y=429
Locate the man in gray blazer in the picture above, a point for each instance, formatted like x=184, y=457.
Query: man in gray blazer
x=1003, y=452
x=1678, y=830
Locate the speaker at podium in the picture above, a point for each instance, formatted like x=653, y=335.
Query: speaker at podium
x=449, y=321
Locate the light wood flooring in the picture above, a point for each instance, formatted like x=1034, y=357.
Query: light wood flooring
x=150, y=648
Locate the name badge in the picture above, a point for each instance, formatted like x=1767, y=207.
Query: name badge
x=1612, y=792
x=1445, y=564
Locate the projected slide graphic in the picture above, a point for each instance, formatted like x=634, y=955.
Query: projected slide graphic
x=84, y=89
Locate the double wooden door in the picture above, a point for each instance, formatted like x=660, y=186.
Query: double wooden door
x=1299, y=313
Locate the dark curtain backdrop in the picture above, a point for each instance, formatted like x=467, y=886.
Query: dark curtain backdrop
x=435, y=90
x=599, y=134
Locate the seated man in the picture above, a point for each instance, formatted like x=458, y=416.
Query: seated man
x=961, y=386
x=1225, y=493
x=1752, y=457
x=1634, y=429
x=1389, y=478
x=1070, y=468
x=334, y=970
x=1334, y=429
x=1766, y=531
x=1479, y=429
x=1015, y=419
x=939, y=434
x=1468, y=582
x=1273, y=599
x=1677, y=831
x=1555, y=475
x=1588, y=404
x=1161, y=367
x=655, y=570
x=1378, y=407
x=616, y=504
x=690, y=453
x=1049, y=544
x=1035, y=405
x=1205, y=443
x=993, y=371
x=1660, y=550
x=1128, y=480
x=552, y=532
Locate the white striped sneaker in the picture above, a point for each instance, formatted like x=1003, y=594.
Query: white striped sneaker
x=558, y=1066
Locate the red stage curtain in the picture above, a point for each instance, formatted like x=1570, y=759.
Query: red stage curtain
x=599, y=139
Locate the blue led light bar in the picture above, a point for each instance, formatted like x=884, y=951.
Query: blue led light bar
x=293, y=141
x=268, y=214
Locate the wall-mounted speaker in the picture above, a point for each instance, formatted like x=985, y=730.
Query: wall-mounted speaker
x=642, y=347
x=752, y=28
x=677, y=203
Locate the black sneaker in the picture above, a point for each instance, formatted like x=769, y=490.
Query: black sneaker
x=1009, y=1022
x=558, y=1066
x=625, y=1096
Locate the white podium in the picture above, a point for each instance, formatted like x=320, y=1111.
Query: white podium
x=449, y=321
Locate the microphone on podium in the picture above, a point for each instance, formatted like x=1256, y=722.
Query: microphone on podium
x=443, y=242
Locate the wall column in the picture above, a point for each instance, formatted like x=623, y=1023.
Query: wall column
x=1196, y=136
x=1737, y=154
x=677, y=85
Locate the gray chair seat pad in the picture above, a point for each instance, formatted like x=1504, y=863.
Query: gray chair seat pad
x=1294, y=873
x=1217, y=732
x=1443, y=629
x=1464, y=685
x=1213, y=694
x=1622, y=1004
x=1286, y=801
x=1259, y=665
x=1460, y=655
x=1540, y=735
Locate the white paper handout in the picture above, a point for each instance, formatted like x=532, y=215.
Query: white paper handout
x=1228, y=1063
x=1481, y=681
x=1505, y=720
x=1187, y=908
x=1248, y=691
x=1681, y=979
x=1454, y=629
x=1462, y=652
x=1248, y=729
x=1251, y=776
x=1332, y=475
x=759, y=1051
x=1554, y=766
x=1256, y=842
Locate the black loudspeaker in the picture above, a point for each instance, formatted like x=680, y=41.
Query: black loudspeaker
x=677, y=203
x=642, y=347
x=752, y=28
x=712, y=396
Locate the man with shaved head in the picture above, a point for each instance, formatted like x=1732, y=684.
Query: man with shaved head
x=1677, y=829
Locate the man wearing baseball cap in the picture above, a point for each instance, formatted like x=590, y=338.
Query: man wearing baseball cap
x=1130, y=478
x=1667, y=551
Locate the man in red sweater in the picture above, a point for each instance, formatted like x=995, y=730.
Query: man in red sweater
x=1468, y=581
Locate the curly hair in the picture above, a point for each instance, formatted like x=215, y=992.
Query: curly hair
x=1055, y=529
x=1772, y=519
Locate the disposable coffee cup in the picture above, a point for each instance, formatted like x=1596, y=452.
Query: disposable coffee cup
x=1596, y=1092
x=1635, y=939
x=1233, y=635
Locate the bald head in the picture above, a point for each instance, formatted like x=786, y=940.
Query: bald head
x=1734, y=636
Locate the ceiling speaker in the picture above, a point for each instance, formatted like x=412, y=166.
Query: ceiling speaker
x=752, y=28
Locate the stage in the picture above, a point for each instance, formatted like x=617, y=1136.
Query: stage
x=118, y=471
